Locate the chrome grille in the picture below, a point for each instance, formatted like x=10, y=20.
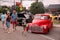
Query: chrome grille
x=36, y=29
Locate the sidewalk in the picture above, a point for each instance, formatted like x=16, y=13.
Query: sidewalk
x=56, y=25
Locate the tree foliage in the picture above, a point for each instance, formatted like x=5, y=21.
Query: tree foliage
x=3, y=9
x=37, y=7
x=18, y=9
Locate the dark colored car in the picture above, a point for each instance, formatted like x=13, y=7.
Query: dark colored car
x=21, y=18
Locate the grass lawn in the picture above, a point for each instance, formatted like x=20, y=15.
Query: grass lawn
x=56, y=22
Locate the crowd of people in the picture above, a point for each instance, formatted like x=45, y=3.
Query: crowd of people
x=8, y=19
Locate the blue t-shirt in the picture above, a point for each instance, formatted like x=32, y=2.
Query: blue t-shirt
x=14, y=17
x=3, y=17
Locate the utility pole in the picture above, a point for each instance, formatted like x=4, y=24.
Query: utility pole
x=36, y=0
x=21, y=1
x=14, y=4
x=40, y=0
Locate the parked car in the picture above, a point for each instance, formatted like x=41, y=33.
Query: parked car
x=41, y=23
x=53, y=17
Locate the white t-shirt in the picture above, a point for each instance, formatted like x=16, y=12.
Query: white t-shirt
x=27, y=16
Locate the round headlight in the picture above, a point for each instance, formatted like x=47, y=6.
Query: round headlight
x=44, y=26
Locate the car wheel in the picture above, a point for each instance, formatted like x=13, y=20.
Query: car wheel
x=48, y=30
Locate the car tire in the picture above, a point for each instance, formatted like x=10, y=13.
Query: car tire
x=48, y=30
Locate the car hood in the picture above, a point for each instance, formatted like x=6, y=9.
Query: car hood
x=40, y=22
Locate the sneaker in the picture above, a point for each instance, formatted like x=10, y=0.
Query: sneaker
x=8, y=32
x=14, y=30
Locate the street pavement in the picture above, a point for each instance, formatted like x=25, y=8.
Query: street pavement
x=54, y=34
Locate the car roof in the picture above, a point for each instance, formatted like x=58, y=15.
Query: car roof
x=43, y=14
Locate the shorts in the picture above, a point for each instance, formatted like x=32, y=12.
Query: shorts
x=14, y=22
x=3, y=22
x=7, y=24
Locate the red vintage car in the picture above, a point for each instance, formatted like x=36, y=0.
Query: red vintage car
x=41, y=23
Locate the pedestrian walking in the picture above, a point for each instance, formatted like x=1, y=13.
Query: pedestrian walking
x=8, y=20
x=24, y=26
x=3, y=19
x=14, y=19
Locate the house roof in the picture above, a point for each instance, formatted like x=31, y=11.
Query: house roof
x=54, y=6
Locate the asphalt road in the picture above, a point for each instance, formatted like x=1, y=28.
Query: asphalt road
x=54, y=34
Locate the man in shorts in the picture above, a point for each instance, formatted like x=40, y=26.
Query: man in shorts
x=14, y=19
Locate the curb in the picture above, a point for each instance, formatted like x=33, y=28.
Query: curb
x=56, y=25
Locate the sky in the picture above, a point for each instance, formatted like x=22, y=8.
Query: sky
x=47, y=2
x=28, y=3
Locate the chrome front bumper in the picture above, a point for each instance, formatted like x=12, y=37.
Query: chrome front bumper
x=36, y=29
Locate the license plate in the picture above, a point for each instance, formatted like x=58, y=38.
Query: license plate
x=36, y=29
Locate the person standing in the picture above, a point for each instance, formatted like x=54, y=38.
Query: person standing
x=3, y=19
x=8, y=20
x=14, y=19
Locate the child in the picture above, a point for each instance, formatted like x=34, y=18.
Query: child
x=3, y=17
x=8, y=19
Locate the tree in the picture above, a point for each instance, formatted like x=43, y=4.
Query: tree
x=4, y=9
x=18, y=9
x=37, y=7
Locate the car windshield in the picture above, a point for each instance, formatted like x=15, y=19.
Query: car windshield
x=40, y=17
